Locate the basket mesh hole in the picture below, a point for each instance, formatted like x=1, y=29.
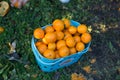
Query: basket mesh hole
x=45, y=66
x=51, y=68
x=74, y=57
x=52, y=65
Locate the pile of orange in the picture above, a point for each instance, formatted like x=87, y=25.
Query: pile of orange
x=61, y=39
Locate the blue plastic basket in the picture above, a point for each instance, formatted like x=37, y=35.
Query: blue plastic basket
x=48, y=65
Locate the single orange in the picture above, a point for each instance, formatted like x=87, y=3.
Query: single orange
x=50, y=54
x=86, y=38
x=70, y=42
x=77, y=38
x=60, y=44
x=64, y=51
x=72, y=29
x=38, y=43
x=51, y=37
x=52, y=46
x=67, y=23
x=57, y=54
x=82, y=28
x=58, y=25
x=38, y=33
x=42, y=48
x=60, y=35
x=80, y=46
x=49, y=29
x=66, y=35
x=44, y=40
x=72, y=50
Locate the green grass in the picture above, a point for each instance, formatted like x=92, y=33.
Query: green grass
x=102, y=16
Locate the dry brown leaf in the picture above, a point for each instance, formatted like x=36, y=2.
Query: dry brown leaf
x=27, y=66
x=34, y=75
x=94, y=72
x=87, y=69
x=90, y=49
x=118, y=9
x=76, y=76
x=92, y=61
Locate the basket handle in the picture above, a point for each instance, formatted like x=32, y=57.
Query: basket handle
x=74, y=23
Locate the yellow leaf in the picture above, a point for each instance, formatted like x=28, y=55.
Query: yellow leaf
x=87, y=69
x=93, y=61
x=1, y=29
x=34, y=75
x=89, y=29
x=76, y=76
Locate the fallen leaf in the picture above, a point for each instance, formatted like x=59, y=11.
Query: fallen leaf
x=27, y=66
x=34, y=75
x=81, y=77
x=4, y=8
x=1, y=29
x=92, y=61
x=87, y=69
x=89, y=29
x=118, y=9
x=76, y=76
x=90, y=49
x=94, y=72
x=97, y=31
